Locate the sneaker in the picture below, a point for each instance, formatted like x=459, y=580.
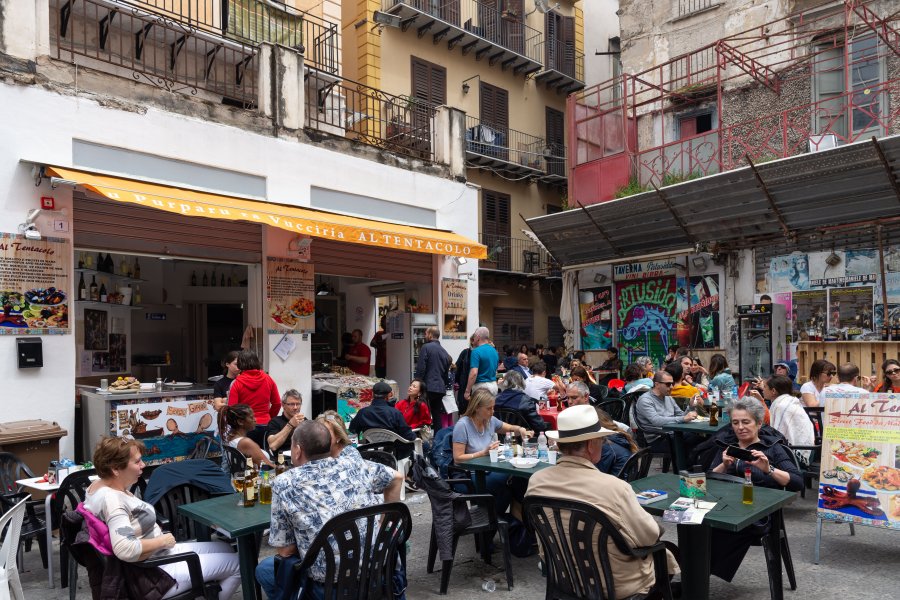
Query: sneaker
x=411, y=486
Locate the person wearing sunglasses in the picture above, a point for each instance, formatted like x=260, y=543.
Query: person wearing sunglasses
x=849, y=381
x=891, y=380
x=656, y=408
x=820, y=375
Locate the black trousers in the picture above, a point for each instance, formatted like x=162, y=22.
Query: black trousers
x=436, y=406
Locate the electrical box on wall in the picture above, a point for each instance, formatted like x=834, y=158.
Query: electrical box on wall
x=30, y=352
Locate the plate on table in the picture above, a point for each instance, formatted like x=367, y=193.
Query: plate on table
x=701, y=420
x=125, y=391
x=179, y=384
x=521, y=462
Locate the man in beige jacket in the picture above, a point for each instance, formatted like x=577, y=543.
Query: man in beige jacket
x=575, y=477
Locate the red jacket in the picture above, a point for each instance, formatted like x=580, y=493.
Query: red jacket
x=256, y=389
x=409, y=415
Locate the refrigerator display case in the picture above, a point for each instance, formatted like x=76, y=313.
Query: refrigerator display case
x=762, y=331
x=406, y=335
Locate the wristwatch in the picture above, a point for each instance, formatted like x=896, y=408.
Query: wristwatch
x=771, y=469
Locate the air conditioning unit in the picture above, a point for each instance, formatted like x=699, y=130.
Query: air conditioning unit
x=822, y=142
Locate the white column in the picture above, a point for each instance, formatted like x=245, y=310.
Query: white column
x=450, y=139
x=25, y=28
x=282, y=86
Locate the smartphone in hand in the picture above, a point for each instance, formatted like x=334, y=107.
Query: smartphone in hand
x=739, y=453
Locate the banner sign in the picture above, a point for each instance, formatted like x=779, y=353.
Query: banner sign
x=860, y=473
x=645, y=269
x=595, y=308
x=169, y=427
x=698, y=327
x=454, y=299
x=290, y=295
x=35, y=279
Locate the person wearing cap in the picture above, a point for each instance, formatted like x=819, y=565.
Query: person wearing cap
x=575, y=477
x=783, y=368
x=381, y=415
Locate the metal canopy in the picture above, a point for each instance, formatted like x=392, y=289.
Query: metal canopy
x=849, y=187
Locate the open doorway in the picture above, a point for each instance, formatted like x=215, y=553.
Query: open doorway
x=224, y=330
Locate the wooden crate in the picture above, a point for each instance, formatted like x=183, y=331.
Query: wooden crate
x=868, y=356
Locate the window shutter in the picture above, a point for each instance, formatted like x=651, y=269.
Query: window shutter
x=568, y=36
x=429, y=82
x=556, y=141
x=551, y=37
x=495, y=227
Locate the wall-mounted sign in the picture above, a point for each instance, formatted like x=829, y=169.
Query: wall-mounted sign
x=34, y=285
x=645, y=269
x=454, y=299
x=595, y=307
x=291, y=295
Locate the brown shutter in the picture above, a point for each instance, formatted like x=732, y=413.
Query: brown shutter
x=551, y=38
x=109, y=225
x=429, y=82
x=343, y=259
x=495, y=228
x=568, y=42
x=555, y=141
x=494, y=107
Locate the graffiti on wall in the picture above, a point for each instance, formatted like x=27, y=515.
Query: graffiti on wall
x=646, y=317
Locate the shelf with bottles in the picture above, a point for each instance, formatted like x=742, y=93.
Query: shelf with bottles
x=124, y=269
x=94, y=304
x=216, y=280
x=117, y=277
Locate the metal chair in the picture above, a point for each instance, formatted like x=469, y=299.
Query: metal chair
x=575, y=538
x=359, y=560
x=614, y=408
x=637, y=466
x=71, y=492
x=11, y=529
x=12, y=469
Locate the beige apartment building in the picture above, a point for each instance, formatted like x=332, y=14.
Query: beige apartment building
x=508, y=64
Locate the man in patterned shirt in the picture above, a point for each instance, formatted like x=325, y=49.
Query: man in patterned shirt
x=307, y=496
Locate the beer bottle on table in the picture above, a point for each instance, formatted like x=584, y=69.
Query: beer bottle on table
x=713, y=413
x=249, y=492
x=265, y=489
x=748, y=486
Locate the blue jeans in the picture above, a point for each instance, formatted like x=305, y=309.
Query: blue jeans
x=265, y=576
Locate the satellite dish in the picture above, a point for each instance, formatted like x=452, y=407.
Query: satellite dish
x=543, y=6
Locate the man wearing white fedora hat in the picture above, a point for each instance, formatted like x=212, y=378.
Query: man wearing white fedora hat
x=575, y=477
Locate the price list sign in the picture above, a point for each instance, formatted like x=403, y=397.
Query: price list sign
x=291, y=296
x=35, y=279
x=454, y=295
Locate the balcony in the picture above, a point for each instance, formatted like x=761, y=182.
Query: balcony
x=195, y=46
x=368, y=115
x=478, y=27
x=517, y=256
x=563, y=67
x=514, y=153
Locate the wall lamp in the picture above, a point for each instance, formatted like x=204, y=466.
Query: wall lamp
x=465, y=86
x=600, y=278
x=461, y=260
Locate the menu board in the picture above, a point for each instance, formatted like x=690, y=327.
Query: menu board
x=290, y=295
x=34, y=285
x=454, y=298
x=860, y=475
x=595, y=307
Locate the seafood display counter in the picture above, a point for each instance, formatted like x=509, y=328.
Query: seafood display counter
x=170, y=422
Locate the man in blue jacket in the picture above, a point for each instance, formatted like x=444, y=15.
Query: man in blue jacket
x=433, y=367
x=381, y=415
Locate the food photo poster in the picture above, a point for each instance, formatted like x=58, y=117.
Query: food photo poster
x=35, y=276
x=290, y=295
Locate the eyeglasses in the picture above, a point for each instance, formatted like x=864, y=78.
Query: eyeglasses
x=831, y=373
x=666, y=383
x=291, y=404
x=892, y=372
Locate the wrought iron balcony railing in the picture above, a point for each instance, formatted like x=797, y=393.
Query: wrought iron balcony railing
x=480, y=27
x=516, y=255
x=515, y=152
x=564, y=66
x=345, y=108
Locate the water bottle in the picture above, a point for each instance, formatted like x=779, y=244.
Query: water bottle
x=543, y=455
x=508, y=451
x=489, y=585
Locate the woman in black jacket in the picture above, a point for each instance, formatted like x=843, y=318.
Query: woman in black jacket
x=513, y=398
x=772, y=467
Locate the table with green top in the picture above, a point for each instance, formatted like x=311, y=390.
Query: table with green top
x=483, y=465
x=696, y=427
x=730, y=514
x=242, y=524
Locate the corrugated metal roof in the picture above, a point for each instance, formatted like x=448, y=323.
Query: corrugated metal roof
x=811, y=192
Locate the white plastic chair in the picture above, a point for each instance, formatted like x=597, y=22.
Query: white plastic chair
x=11, y=523
x=386, y=435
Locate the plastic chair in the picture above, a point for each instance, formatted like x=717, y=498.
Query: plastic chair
x=616, y=384
x=641, y=440
x=379, y=456
x=359, y=561
x=513, y=417
x=575, y=538
x=13, y=469
x=614, y=408
x=637, y=466
x=84, y=554
x=179, y=525
x=72, y=491
x=11, y=529
x=237, y=462
x=403, y=448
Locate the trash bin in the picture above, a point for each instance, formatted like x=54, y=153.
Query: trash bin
x=34, y=442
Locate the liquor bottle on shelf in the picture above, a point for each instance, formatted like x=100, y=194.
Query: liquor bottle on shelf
x=193, y=278
x=103, y=296
x=101, y=262
x=81, y=260
x=110, y=264
x=136, y=298
x=136, y=272
x=94, y=291
x=123, y=267
x=205, y=279
x=82, y=289
x=88, y=260
x=222, y=282
x=213, y=281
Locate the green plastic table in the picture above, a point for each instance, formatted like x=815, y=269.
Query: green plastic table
x=241, y=523
x=700, y=428
x=730, y=514
x=483, y=465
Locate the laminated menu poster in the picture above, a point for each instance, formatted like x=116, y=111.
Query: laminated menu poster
x=291, y=295
x=35, y=279
x=860, y=473
x=454, y=297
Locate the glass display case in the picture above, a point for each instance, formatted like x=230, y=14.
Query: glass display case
x=761, y=339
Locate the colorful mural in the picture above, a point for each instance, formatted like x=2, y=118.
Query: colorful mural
x=646, y=317
x=595, y=307
x=698, y=327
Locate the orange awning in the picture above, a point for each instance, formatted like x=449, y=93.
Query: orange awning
x=304, y=221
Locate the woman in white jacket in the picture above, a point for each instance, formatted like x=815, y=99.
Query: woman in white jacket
x=787, y=414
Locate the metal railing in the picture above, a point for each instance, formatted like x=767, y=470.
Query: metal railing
x=687, y=7
x=345, y=108
x=255, y=21
x=154, y=47
x=516, y=255
x=562, y=57
x=516, y=147
x=502, y=27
